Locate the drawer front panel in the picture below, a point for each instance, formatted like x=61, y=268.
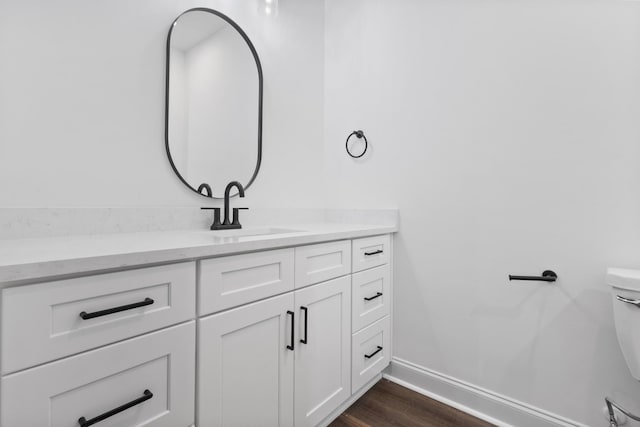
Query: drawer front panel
x=45, y=322
x=231, y=281
x=371, y=352
x=94, y=383
x=317, y=263
x=371, y=252
x=371, y=292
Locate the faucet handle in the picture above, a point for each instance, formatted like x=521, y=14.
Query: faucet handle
x=236, y=212
x=216, y=217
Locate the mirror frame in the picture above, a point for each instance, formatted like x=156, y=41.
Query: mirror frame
x=260, y=90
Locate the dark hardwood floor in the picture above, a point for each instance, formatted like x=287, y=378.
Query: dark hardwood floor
x=388, y=404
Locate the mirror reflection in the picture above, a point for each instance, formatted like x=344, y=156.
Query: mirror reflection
x=214, y=102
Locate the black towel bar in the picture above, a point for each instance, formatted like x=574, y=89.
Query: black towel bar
x=547, y=276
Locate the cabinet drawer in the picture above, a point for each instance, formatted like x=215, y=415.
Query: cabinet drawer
x=231, y=281
x=43, y=322
x=371, y=252
x=94, y=383
x=370, y=299
x=317, y=263
x=370, y=352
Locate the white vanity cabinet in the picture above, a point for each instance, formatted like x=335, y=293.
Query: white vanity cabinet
x=272, y=337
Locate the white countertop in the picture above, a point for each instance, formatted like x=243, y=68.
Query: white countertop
x=33, y=259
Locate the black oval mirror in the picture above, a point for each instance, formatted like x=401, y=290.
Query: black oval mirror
x=213, y=110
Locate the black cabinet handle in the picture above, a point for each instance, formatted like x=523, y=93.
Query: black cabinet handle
x=377, y=295
x=306, y=322
x=379, y=251
x=369, y=356
x=86, y=316
x=290, y=347
x=86, y=423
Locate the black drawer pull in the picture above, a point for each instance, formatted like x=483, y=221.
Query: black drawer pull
x=86, y=423
x=86, y=316
x=369, y=356
x=379, y=251
x=377, y=295
x=306, y=322
x=291, y=347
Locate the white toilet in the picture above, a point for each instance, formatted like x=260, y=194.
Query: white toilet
x=625, y=291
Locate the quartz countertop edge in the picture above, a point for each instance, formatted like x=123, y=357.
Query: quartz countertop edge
x=31, y=260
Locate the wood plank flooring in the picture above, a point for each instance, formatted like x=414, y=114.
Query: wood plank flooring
x=388, y=404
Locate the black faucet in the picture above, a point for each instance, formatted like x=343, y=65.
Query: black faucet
x=205, y=190
x=227, y=224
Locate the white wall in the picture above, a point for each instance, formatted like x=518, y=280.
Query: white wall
x=82, y=102
x=507, y=134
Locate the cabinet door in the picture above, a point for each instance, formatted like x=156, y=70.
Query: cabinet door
x=245, y=375
x=323, y=350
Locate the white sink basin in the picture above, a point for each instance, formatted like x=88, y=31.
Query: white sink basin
x=250, y=232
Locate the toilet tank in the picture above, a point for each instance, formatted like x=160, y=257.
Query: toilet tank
x=625, y=290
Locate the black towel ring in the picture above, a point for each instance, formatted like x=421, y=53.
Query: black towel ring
x=360, y=135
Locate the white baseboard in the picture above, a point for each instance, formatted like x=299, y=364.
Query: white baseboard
x=481, y=403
